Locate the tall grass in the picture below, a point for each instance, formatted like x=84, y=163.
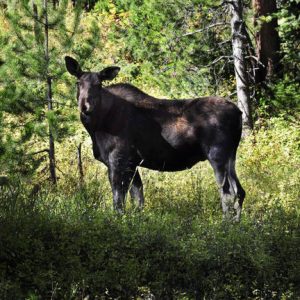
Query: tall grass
x=65, y=242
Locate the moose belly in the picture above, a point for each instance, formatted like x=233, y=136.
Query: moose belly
x=170, y=159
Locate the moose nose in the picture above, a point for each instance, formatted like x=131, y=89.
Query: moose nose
x=83, y=108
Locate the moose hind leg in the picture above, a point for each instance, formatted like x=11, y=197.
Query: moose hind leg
x=136, y=189
x=237, y=188
x=218, y=159
x=225, y=191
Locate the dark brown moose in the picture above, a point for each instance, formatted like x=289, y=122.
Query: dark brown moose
x=130, y=128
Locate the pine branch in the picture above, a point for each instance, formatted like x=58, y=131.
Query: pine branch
x=34, y=15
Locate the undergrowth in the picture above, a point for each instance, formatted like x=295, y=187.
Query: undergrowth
x=65, y=242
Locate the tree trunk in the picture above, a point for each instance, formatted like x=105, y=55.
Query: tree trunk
x=241, y=75
x=79, y=163
x=49, y=96
x=267, y=40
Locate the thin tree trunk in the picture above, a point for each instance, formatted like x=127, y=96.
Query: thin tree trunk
x=267, y=40
x=79, y=163
x=241, y=75
x=49, y=96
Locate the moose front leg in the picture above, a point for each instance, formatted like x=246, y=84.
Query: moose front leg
x=136, y=190
x=119, y=181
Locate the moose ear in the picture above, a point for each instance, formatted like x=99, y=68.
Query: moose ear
x=73, y=66
x=109, y=73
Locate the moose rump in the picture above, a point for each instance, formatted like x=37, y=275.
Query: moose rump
x=130, y=128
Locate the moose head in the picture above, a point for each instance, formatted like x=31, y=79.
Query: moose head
x=89, y=84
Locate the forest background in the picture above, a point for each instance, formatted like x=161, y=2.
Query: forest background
x=59, y=237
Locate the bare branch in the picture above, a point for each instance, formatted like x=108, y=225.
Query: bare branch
x=207, y=28
x=256, y=59
x=38, y=152
x=218, y=59
x=224, y=42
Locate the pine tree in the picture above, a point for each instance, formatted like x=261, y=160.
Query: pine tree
x=37, y=37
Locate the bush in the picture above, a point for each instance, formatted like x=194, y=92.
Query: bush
x=282, y=99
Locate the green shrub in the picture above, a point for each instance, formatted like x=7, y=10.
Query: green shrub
x=283, y=99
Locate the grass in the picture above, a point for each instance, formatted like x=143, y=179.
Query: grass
x=67, y=243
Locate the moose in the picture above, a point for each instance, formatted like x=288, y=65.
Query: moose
x=130, y=129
